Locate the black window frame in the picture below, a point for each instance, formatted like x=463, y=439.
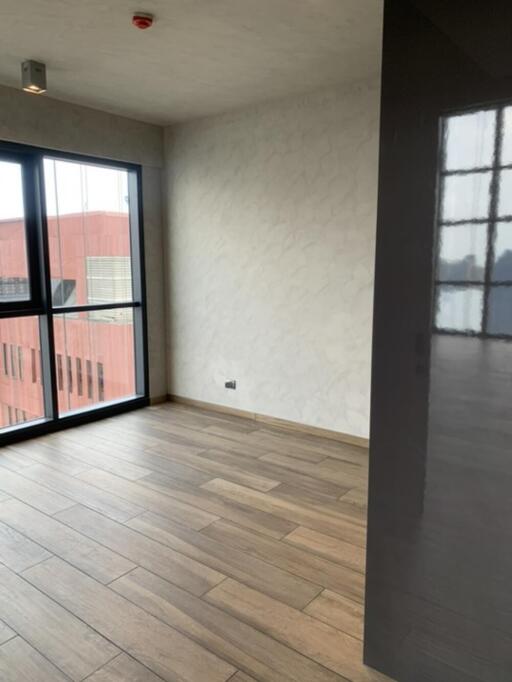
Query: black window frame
x=41, y=305
x=28, y=162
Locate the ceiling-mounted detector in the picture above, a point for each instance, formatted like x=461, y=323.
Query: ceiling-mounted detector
x=33, y=77
x=142, y=20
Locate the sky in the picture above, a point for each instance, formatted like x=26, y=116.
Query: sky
x=70, y=187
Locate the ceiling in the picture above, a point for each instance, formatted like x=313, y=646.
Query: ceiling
x=201, y=57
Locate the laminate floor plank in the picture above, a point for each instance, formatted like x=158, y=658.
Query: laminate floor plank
x=5, y=633
x=261, y=521
x=281, y=443
x=242, y=677
x=12, y=460
x=328, y=547
x=280, y=584
x=181, y=570
x=80, y=551
x=197, y=420
x=343, y=528
x=98, y=454
x=123, y=668
x=206, y=441
x=330, y=647
x=32, y=492
x=213, y=467
x=279, y=473
x=17, y=552
x=245, y=647
x=118, y=431
x=153, y=461
x=71, y=645
x=297, y=561
x=357, y=497
x=110, y=437
x=19, y=662
x=162, y=649
x=37, y=452
x=177, y=544
x=343, y=614
x=329, y=470
x=277, y=438
x=150, y=499
x=315, y=498
x=79, y=491
x=319, y=500
x=202, y=418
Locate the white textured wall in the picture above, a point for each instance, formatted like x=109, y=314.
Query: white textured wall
x=45, y=122
x=271, y=255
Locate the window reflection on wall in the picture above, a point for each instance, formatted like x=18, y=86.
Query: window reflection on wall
x=474, y=253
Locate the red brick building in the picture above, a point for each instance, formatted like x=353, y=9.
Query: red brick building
x=89, y=263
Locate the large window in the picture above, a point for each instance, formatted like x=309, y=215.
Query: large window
x=72, y=336
x=474, y=256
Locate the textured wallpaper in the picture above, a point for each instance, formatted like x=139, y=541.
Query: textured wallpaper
x=271, y=237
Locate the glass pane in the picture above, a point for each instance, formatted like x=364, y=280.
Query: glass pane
x=462, y=253
x=95, y=358
x=14, y=282
x=466, y=197
x=21, y=393
x=460, y=308
x=502, y=268
x=469, y=141
x=506, y=146
x=89, y=233
x=505, y=195
x=500, y=311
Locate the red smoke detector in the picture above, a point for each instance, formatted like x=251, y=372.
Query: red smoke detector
x=142, y=20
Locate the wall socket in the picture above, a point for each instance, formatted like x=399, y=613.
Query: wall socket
x=231, y=384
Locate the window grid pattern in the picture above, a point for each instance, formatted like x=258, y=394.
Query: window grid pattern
x=482, y=282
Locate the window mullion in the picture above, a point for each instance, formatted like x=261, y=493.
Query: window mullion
x=493, y=217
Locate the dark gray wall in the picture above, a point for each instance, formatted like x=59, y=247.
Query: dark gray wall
x=439, y=569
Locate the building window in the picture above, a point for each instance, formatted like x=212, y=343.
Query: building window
x=14, y=289
x=109, y=279
x=70, y=374
x=64, y=291
x=13, y=361
x=82, y=301
x=101, y=382
x=33, y=365
x=473, y=288
x=5, y=359
x=20, y=363
x=60, y=374
x=88, y=365
x=79, y=385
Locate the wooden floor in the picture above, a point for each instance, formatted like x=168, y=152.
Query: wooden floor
x=174, y=544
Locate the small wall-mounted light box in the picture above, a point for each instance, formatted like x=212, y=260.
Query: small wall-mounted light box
x=33, y=77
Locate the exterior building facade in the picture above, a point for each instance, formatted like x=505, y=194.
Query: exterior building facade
x=90, y=263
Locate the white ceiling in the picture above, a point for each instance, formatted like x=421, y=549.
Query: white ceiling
x=200, y=57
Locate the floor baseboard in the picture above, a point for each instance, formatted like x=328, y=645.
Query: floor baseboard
x=274, y=421
x=158, y=399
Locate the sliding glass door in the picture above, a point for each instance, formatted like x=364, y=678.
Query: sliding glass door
x=72, y=318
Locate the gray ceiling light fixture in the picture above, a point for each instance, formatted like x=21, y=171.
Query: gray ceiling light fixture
x=33, y=77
